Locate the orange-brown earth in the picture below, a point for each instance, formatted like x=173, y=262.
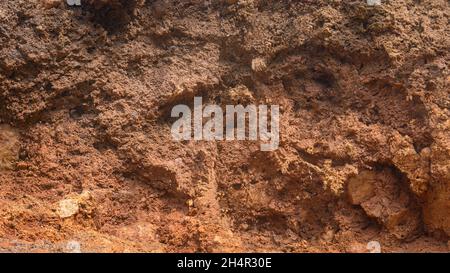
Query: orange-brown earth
x=86, y=153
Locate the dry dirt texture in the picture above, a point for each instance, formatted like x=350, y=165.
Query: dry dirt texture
x=85, y=147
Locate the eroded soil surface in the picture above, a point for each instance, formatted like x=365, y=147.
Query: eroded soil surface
x=87, y=159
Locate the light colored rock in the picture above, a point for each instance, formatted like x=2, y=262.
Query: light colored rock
x=259, y=65
x=374, y=247
x=373, y=2
x=68, y=208
x=73, y=2
x=74, y=204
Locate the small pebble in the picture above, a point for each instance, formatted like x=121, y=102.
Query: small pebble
x=373, y=2
x=259, y=65
x=68, y=208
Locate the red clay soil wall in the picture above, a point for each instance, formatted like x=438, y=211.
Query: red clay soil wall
x=85, y=147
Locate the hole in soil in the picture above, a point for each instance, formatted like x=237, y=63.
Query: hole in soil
x=113, y=14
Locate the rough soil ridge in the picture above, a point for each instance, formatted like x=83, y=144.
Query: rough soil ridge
x=85, y=147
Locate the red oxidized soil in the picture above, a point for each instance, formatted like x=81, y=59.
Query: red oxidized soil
x=86, y=153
